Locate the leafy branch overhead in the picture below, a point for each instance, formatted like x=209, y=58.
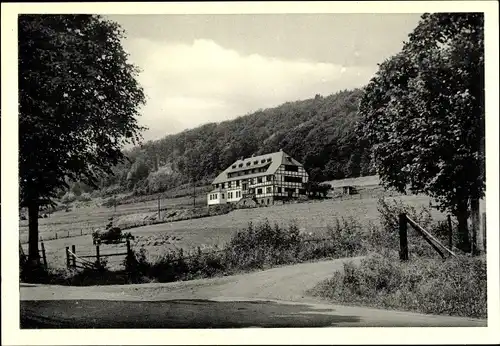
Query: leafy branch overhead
x=424, y=111
x=423, y=114
x=78, y=100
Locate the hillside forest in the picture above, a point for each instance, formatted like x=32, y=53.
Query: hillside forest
x=319, y=132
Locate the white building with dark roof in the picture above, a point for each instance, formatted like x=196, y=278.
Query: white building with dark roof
x=259, y=179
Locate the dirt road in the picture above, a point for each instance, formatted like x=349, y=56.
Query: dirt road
x=270, y=298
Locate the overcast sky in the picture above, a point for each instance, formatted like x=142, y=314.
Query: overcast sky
x=209, y=68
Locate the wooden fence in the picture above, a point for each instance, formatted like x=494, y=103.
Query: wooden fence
x=41, y=253
x=82, y=261
x=404, y=221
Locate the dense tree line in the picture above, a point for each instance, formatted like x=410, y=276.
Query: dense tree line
x=319, y=132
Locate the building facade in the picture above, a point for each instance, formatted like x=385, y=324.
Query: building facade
x=260, y=179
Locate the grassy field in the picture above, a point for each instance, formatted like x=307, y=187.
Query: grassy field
x=371, y=180
x=208, y=232
x=83, y=220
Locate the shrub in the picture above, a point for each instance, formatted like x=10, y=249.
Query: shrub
x=68, y=198
x=389, y=212
x=454, y=287
x=348, y=238
x=85, y=197
x=112, y=190
x=257, y=246
x=111, y=202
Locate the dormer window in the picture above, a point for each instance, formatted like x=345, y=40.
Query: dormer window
x=234, y=166
x=262, y=161
x=269, y=160
x=248, y=163
x=240, y=165
x=256, y=162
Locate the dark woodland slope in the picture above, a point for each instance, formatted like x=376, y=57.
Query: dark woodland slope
x=318, y=132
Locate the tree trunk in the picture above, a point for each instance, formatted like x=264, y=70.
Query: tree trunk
x=463, y=229
x=33, y=255
x=475, y=218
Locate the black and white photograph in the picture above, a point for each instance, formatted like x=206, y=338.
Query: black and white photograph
x=226, y=169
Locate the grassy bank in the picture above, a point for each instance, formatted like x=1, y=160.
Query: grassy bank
x=453, y=287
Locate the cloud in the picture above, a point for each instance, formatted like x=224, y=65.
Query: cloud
x=191, y=84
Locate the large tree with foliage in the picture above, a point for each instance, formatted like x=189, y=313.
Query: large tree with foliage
x=423, y=112
x=78, y=103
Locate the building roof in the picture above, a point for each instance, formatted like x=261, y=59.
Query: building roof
x=277, y=159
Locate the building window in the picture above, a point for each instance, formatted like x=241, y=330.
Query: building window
x=223, y=185
x=234, y=166
x=268, y=190
x=259, y=191
x=262, y=161
x=293, y=179
x=222, y=196
x=216, y=186
x=240, y=165
x=259, y=180
x=248, y=163
x=268, y=201
x=237, y=183
x=279, y=189
x=269, y=178
x=269, y=160
x=291, y=168
x=256, y=162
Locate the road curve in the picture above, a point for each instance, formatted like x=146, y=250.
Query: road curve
x=269, y=298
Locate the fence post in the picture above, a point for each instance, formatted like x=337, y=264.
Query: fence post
x=450, y=233
x=128, y=248
x=56, y=234
x=98, y=260
x=403, y=237
x=43, y=255
x=68, y=234
x=81, y=231
x=21, y=251
x=159, y=207
x=483, y=229
x=73, y=249
x=68, y=264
